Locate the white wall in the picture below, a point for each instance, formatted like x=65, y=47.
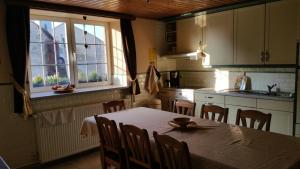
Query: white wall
x=150, y=34
x=17, y=137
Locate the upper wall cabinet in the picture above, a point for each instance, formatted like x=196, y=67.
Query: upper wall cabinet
x=189, y=34
x=218, y=38
x=249, y=46
x=281, y=32
x=266, y=34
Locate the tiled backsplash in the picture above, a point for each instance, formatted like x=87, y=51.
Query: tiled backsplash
x=222, y=79
x=194, y=74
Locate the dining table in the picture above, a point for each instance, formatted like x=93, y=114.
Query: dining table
x=212, y=145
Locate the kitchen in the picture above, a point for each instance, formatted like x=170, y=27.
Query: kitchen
x=201, y=56
x=233, y=55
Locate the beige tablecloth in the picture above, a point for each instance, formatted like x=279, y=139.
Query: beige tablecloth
x=219, y=146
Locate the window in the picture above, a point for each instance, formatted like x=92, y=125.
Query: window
x=48, y=53
x=64, y=51
x=91, y=53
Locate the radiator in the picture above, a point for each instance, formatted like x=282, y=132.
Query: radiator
x=55, y=142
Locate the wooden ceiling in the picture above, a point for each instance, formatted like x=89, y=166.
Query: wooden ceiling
x=153, y=9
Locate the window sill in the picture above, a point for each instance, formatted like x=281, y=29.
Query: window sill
x=76, y=91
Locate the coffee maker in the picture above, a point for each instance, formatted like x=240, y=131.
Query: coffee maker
x=174, y=79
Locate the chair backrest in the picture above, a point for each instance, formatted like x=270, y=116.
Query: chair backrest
x=213, y=109
x=253, y=115
x=172, y=153
x=109, y=135
x=184, y=107
x=137, y=146
x=114, y=106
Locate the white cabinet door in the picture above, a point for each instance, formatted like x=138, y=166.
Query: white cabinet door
x=282, y=32
x=281, y=122
x=218, y=38
x=233, y=111
x=240, y=101
x=189, y=34
x=199, y=105
x=250, y=28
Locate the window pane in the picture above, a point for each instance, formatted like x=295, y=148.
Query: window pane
x=37, y=76
x=50, y=75
x=82, y=77
x=100, y=34
x=36, y=54
x=49, y=53
x=60, y=32
x=79, y=36
x=102, y=71
x=63, y=74
x=91, y=54
x=92, y=73
x=35, y=34
x=62, y=71
x=80, y=54
x=90, y=36
x=47, y=31
x=62, y=54
x=101, y=53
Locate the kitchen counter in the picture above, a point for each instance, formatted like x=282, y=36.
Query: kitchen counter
x=249, y=95
x=169, y=94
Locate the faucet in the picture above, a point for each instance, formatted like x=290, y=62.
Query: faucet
x=270, y=88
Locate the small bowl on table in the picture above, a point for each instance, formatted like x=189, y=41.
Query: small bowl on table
x=182, y=121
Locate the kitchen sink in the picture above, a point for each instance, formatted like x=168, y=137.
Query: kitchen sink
x=264, y=93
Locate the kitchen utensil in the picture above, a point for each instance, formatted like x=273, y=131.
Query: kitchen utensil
x=242, y=83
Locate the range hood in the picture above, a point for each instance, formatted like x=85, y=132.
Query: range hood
x=190, y=55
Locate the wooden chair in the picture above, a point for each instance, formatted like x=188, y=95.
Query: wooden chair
x=213, y=109
x=184, y=107
x=111, y=152
x=172, y=153
x=114, y=106
x=137, y=147
x=253, y=115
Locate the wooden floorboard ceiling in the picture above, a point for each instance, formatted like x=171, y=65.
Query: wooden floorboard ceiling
x=153, y=9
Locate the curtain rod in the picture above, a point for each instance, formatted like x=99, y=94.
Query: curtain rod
x=70, y=9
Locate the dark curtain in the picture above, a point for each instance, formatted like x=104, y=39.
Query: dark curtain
x=130, y=54
x=18, y=30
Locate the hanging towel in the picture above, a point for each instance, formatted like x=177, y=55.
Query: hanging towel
x=151, y=81
x=56, y=117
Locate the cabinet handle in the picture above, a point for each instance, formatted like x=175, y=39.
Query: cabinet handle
x=267, y=56
x=209, y=97
x=262, y=57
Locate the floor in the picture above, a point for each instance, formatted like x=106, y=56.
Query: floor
x=89, y=160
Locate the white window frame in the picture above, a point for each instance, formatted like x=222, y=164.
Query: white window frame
x=71, y=47
x=107, y=44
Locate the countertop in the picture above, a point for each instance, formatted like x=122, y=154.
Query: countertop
x=249, y=95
